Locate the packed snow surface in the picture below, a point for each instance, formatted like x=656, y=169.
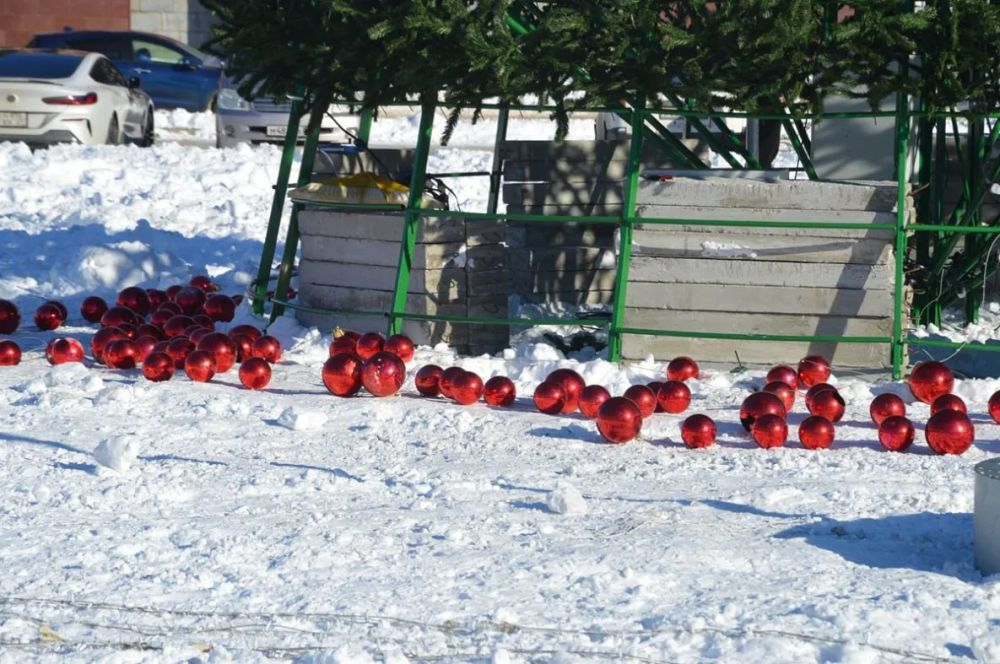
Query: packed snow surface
x=202, y=522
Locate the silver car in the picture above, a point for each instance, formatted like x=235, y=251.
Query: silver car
x=49, y=97
x=238, y=120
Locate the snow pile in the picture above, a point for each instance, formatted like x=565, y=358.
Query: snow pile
x=180, y=125
x=297, y=419
x=117, y=453
x=566, y=499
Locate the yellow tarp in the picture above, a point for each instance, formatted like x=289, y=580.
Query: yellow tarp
x=366, y=188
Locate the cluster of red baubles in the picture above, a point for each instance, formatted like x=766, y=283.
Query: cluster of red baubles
x=366, y=360
x=162, y=331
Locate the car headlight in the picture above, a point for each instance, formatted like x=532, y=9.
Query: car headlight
x=230, y=100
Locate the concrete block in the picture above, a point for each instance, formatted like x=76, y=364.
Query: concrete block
x=557, y=259
x=579, y=209
x=765, y=214
x=720, y=271
x=573, y=152
x=384, y=227
x=375, y=252
x=784, y=194
x=564, y=193
x=756, y=353
x=449, y=282
x=754, y=323
x=368, y=300
x=572, y=297
x=478, y=232
x=562, y=282
x=488, y=282
x=558, y=235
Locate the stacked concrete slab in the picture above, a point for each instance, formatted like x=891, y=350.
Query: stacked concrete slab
x=762, y=280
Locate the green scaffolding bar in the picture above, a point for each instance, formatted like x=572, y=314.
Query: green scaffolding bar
x=365, y=125
x=495, y=175
x=412, y=217
x=898, y=346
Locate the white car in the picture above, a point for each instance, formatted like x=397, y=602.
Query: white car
x=49, y=97
x=238, y=120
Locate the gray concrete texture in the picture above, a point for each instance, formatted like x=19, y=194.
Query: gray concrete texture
x=184, y=20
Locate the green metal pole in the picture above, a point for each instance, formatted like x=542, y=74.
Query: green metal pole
x=902, y=190
x=800, y=149
x=496, y=176
x=365, y=125
x=277, y=206
x=625, y=234
x=706, y=134
x=412, y=215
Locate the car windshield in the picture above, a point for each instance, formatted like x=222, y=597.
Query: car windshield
x=19, y=64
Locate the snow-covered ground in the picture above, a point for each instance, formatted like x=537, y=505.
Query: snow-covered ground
x=288, y=524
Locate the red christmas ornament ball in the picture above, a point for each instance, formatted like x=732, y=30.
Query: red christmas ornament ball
x=179, y=348
x=255, y=373
x=63, y=349
x=828, y=404
x=383, y=374
x=221, y=347
x=549, y=398
x=196, y=333
x=643, y=398
x=156, y=297
x=147, y=330
x=101, y=339
x=886, y=405
x=948, y=402
x=267, y=348
x=929, y=380
x=10, y=317
x=428, y=380
x=698, y=431
x=758, y=404
x=172, y=291
x=499, y=391
x=342, y=374
x=769, y=430
x=190, y=300
x=783, y=374
x=591, y=398
x=63, y=311
x=369, y=344
x=120, y=354
x=448, y=377
x=994, y=407
x=619, y=420
x=813, y=369
x=48, y=317
x=163, y=314
x=896, y=433
x=134, y=298
x=345, y=342
x=200, y=366
x=813, y=391
x=116, y=316
x=177, y=325
x=682, y=368
x=816, y=432
x=949, y=432
x=244, y=347
x=247, y=330
x=144, y=345
x=10, y=353
x=783, y=391
x=401, y=345
x=572, y=384
x=204, y=321
x=467, y=389
x=203, y=283
x=131, y=331
x=674, y=397
x=219, y=307
x=654, y=387
x=92, y=308
x=158, y=367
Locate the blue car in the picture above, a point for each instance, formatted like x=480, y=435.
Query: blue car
x=173, y=74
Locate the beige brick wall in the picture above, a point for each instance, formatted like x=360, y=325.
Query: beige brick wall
x=184, y=20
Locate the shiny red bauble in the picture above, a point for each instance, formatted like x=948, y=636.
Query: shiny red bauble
x=401, y=345
x=813, y=391
x=156, y=297
x=102, y=338
x=758, y=404
x=549, y=398
x=144, y=345
x=448, y=376
x=816, y=432
x=591, y=398
x=896, y=433
x=92, y=308
x=203, y=321
x=116, y=315
x=619, y=420
x=131, y=331
x=162, y=315
x=342, y=374
x=10, y=317
x=949, y=432
x=467, y=389
x=244, y=347
x=48, y=317
x=203, y=283
x=247, y=330
x=196, y=333
x=221, y=347
x=886, y=405
x=813, y=369
x=120, y=354
x=572, y=384
x=190, y=300
x=344, y=342
x=200, y=366
x=63, y=311
x=783, y=374
x=267, y=348
x=929, y=380
x=10, y=353
x=655, y=386
x=769, y=430
x=948, y=402
x=674, y=397
x=134, y=298
x=698, y=431
x=783, y=391
x=499, y=391
x=255, y=373
x=828, y=404
x=383, y=374
x=172, y=291
x=147, y=330
x=179, y=348
x=219, y=307
x=682, y=368
x=62, y=350
x=643, y=398
x=994, y=407
x=369, y=344
x=158, y=367
x=428, y=380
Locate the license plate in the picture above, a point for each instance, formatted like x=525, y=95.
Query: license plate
x=9, y=119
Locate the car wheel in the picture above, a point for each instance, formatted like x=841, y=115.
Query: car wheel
x=148, y=133
x=114, y=134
